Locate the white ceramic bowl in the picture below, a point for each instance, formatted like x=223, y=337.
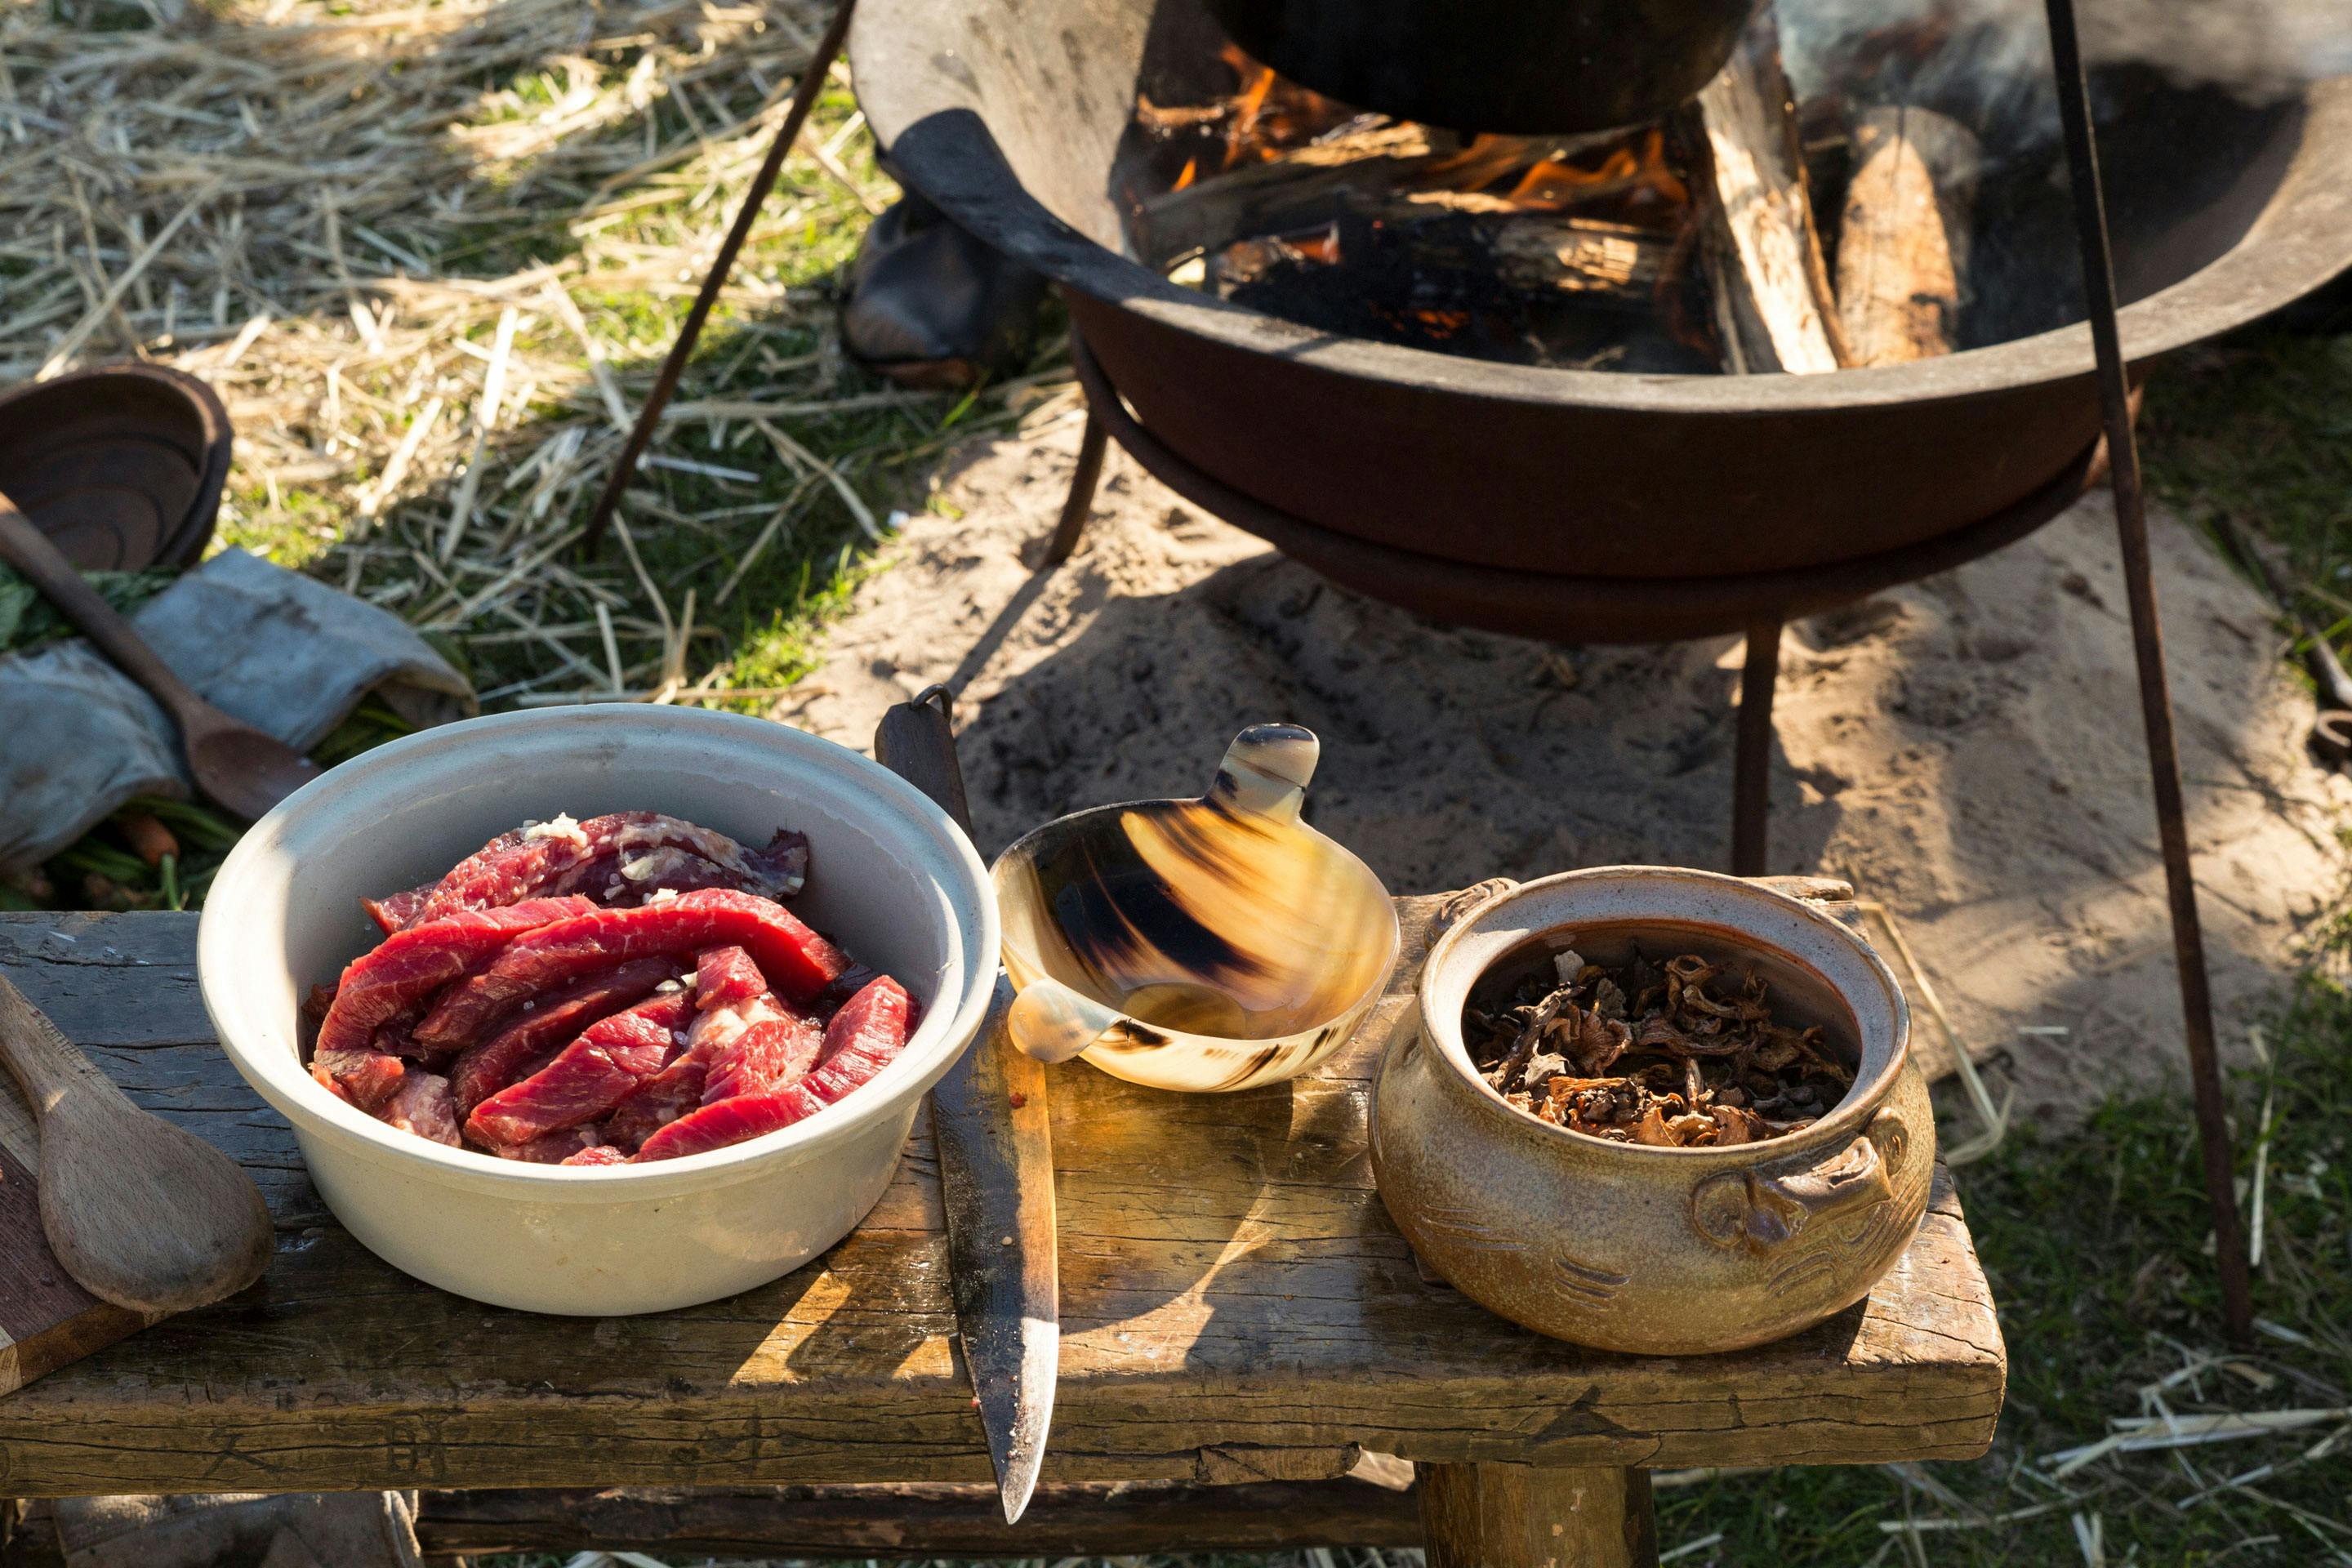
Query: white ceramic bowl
x=891, y=879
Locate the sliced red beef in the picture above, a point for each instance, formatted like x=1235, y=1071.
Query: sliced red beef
x=548, y=1023
x=410, y=966
x=641, y=853
x=730, y=1121
x=660, y=1099
x=367, y=1078
x=589, y=1077
x=797, y=961
x=776, y=1047
x=398, y=1037
x=600, y=1155
x=311, y=1013
x=621, y=859
x=397, y=912
x=423, y=1106
x=863, y=1038
x=555, y=1148
x=724, y=975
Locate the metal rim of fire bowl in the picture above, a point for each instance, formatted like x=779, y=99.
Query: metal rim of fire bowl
x=1576, y=609
x=921, y=103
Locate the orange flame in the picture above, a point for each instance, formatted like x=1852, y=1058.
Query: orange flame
x=1192, y=171
x=1323, y=247
x=1556, y=182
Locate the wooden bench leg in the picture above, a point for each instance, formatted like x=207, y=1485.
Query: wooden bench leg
x=1531, y=1516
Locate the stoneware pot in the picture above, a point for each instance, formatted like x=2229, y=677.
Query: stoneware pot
x=1631, y=1247
x=1217, y=943
x=891, y=879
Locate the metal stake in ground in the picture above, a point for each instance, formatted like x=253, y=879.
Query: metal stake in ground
x=641, y=433
x=2148, y=643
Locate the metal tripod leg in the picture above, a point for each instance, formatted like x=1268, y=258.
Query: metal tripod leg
x=2147, y=644
x=641, y=433
x=1072, y=528
x=1752, y=774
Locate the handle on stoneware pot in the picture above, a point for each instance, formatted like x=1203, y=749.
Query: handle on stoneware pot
x=1855, y=1178
x=1054, y=1023
x=1761, y=1209
x=1265, y=771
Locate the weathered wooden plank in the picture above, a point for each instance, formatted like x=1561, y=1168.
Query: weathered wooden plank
x=1090, y=1520
x=1230, y=1281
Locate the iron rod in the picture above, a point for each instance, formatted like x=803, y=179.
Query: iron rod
x=1751, y=768
x=2147, y=644
x=641, y=433
x=1080, y=503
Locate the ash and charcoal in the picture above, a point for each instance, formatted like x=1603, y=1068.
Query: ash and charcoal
x=1683, y=1054
x=1446, y=283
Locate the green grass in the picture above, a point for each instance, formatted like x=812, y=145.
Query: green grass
x=2257, y=429
x=2096, y=1244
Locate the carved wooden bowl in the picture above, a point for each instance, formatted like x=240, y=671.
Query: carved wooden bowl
x=1217, y=943
x=1631, y=1247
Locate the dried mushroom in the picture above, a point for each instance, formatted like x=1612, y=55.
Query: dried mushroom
x=1686, y=1054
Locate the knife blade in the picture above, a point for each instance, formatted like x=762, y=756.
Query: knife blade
x=995, y=1139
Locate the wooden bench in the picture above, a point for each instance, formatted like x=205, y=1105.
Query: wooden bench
x=1238, y=1308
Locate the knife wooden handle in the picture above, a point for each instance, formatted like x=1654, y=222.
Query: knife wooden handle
x=917, y=740
x=29, y=549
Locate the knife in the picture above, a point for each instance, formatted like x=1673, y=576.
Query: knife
x=996, y=1169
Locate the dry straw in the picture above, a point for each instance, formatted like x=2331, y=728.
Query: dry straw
x=429, y=255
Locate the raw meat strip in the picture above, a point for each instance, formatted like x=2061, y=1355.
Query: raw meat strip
x=589, y=1077
x=484, y=1070
x=408, y=966
x=423, y=1107
x=659, y=1100
x=556, y=1148
x=640, y=853
x=312, y=1013
x=774, y=1047
x=864, y=1037
x=367, y=1078
x=730, y=1121
x=725, y=974
x=398, y=1037
x=622, y=859
x=599, y=1154
x=797, y=961
x=396, y=911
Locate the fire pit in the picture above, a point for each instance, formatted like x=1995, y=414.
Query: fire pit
x=1413, y=463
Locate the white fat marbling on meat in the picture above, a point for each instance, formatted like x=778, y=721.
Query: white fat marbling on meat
x=561, y=825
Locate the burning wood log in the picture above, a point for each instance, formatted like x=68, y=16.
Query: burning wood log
x=1538, y=253
x=1773, y=303
x=1903, y=246
x=1356, y=171
x=1291, y=191
x=1581, y=255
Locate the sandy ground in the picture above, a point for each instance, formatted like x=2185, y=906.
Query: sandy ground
x=1968, y=749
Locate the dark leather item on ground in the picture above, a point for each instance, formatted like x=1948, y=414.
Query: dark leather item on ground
x=930, y=305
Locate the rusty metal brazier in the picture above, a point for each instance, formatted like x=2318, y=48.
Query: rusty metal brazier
x=1655, y=1250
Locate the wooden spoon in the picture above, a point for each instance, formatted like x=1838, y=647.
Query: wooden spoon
x=237, y=766
x=139, y=1212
